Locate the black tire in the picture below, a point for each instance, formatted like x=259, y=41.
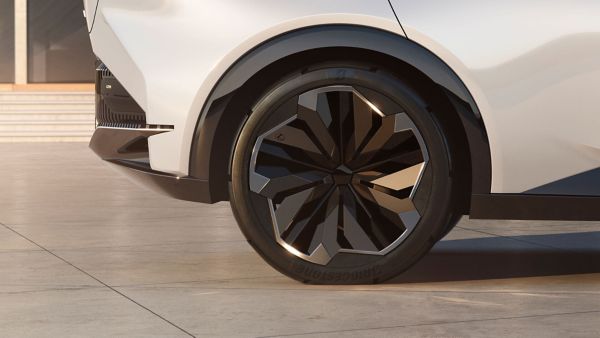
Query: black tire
x=349, y=258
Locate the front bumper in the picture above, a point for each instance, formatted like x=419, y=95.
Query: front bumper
x=121, y=138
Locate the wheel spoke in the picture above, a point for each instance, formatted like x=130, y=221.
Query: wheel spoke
x=365, y=123
x=340, y=175
x=388, y=206
x=279, y=187
x=319, y=136
x=281, y=155
x=401, y=179
x=374, y=143
x=292, y=135
x=300, y=231
x=383, y=165
x=383, y=199
x=393, y=140
x=376, y=225
x=364, y=120
x=396, y=179
x=325, y=234
x=347, y=125
x=356, y=228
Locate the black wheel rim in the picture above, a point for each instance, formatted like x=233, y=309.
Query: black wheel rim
x=340, y=174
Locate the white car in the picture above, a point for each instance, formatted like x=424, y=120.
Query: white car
x=351, y=135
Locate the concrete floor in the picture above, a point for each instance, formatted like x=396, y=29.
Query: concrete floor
x=83, y=252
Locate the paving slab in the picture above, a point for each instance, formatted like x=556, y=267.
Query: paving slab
x=97, y=312
x=265, y=312
x=180, y=266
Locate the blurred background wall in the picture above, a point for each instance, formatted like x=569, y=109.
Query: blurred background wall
x=46, y=72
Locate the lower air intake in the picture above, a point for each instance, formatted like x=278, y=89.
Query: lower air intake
x=115, y=108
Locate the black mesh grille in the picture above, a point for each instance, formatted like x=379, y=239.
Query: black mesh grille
x=115, y=108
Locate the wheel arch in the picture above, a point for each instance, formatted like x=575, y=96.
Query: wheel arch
x=229, y=103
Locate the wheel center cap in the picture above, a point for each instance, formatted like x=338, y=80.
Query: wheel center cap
x=342, y=175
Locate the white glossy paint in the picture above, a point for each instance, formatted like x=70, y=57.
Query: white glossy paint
x=89, y=6
x=533, y=68
x=169, y=54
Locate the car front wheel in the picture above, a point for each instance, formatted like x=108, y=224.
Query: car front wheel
x=341, y=175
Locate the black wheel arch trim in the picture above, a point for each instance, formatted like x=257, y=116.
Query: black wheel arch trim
x=216, y=131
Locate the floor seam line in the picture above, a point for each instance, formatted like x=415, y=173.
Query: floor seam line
x=435, y=323
x=133, y=247
x=50, y=290
x=514, y=239
x=98, y=280
x=322, y=290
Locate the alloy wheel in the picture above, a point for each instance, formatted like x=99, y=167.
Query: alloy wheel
x=340, y=174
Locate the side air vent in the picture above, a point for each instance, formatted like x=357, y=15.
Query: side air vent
x=115, y=108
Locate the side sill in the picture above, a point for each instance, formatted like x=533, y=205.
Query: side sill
x=535, y=207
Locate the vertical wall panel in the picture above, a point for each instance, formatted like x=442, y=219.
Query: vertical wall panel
x=7, y=41
x=59, y=49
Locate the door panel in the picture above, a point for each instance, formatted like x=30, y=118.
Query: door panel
x=533, y=68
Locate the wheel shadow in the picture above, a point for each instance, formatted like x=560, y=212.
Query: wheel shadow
x=501, y=257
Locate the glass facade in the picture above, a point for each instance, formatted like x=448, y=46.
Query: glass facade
x=58, y=48
x=7, y=41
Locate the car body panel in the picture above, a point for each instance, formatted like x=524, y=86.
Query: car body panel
x=170, y=53
x=218, y=127
x=533, y=68
x=89, y=6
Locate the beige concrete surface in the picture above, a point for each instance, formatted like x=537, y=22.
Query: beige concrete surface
x=84, y=252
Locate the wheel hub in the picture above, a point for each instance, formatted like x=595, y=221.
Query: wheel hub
x=340, y=174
